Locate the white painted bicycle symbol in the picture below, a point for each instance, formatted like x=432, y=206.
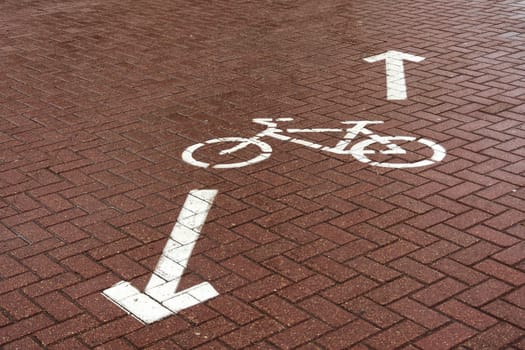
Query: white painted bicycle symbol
x=363, y=151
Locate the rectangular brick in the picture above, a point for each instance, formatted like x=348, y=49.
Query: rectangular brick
x=296, y=202
x=288, y=268
x=124, y=266
x=83, y=265
x=328, y=312
x=393, y=290
x=78, y=247
x=409, y=203
x=419, y=313
x=203, y=333
x=507, y=312
x=449, y=205
x=330, y=201
x=316, y=217
x=351, y=250
x=373, y=269
x=506, y=219
x=261, y=288
x=89, y=286
x=484, y=292
x=23, y=328
x=511, y=255
x=18, y=281
x=431, y=218
x=25, y=343
x=461, y=190
x=25, y=217
x=503, y=272
x=353, y=218
x=43, y=266
x=425, y=190
x=447, y=337
x=17, y=305
x=295, y=233
x=333, y=233
x=392, y=251
x=65, y=329
x=37, y=248
x=373, y=234
x=350, y=289
x=306, y=288
x=466, y=314
x=434, y=251
x=496, y=337
x=58, y=306
x=310, y=250
x=396, y=336
x=282, y=310
x=390, y=213
x=468, y=219
x=416, y=270
x=483, y=204
x=110, y=330
x=494, y=236
x=268, y=250
x=10, y=267
x=32, y=232
x=299, y=334
x=459, y=271
x=113, y=248
x=51, y=284
x=278, y=217
x=439, y=291
x=330, y=268
x=251, y=333
x=475, y=253
x=377, y=314
x=348, y=335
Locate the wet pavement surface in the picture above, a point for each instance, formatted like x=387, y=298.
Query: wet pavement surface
x=308, y=235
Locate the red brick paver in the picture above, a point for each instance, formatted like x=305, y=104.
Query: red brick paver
x=307, y=250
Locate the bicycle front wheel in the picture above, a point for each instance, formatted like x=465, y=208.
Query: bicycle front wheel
x=362, y=151
x=264, y=149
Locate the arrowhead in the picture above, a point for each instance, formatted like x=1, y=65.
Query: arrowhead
x=149, y=310
x=131, y=300
x=160, y=298
x=394, y=55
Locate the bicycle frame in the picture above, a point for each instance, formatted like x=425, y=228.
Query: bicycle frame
x=360, y=127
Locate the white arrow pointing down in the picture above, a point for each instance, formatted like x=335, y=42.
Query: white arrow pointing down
x=396, y=88
x=160, y=298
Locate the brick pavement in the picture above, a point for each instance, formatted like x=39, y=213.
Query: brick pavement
x=308, y=250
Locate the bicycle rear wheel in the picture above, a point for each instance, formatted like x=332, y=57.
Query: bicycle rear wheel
x=264, y=149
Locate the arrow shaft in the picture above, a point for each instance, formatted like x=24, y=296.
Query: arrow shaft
x=396, y=88
x=185, y=233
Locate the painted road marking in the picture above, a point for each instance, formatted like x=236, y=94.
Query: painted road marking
x=396, y=88
x=359, y=151
x=160, y=298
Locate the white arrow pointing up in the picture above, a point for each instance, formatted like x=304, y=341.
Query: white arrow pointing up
x=396, y=88
x=160, y=298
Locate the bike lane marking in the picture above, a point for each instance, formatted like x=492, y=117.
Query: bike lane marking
x=358, y=150
x=160, y=298
x=396, y=88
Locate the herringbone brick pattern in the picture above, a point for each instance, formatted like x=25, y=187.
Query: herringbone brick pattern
x=98, y=99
